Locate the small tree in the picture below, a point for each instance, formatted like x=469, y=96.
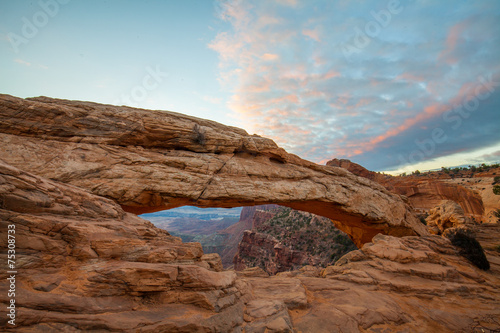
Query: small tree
x=469, y=248
x=496, y=189
x=199, y=135
x=496, y=213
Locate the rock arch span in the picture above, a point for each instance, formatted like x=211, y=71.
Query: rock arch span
x=154, y=160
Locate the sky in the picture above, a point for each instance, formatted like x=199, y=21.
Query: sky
x=392, y=85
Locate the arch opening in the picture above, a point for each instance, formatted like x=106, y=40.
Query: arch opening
x=273, y=237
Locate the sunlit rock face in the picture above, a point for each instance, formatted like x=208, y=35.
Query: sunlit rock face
x=425, y=191
x=153, y=160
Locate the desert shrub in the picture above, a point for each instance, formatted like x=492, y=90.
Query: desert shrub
x=496, y=213
x=469, y=248
x=423, y=218
x=496, y=180
x=199, y=135
x=496, y=189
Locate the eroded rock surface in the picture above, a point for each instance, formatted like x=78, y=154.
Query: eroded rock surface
x=153, y=160
x=447, y=215
x=86, y=265
x=283, y=239
x=424, y=191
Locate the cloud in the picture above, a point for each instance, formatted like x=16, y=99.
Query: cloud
x=270, y=57
x=489, y=158
x=29, y=64
x=291, y=81
x=22, y=62
x=454, y=35
x=312, y=33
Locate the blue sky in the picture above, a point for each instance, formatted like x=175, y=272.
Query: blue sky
x=392, y=85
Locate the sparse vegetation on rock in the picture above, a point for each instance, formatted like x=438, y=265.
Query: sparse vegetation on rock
x=496, y=189
x=469, y=247
x=292, y=239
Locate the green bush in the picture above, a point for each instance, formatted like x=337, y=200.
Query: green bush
x=496, y=213
x=496, y=189
x=469, y=248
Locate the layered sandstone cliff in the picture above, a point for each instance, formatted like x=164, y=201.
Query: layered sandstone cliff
x=250, y=217
x=86, y=265
x=424, y=191
x=154, y=160
x=283, y=239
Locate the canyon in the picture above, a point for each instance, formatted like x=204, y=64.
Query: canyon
x=281, y=239
x=471, y=190
x=74, y=175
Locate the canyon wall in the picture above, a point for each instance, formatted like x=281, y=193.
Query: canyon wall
x=283, y=239
x=424, y=191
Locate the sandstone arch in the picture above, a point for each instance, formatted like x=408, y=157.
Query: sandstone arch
x=154, y=160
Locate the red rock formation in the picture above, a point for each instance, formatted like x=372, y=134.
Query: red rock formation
x=85, y=265
x=154, y=160
x=283, y=239
x=448, y=215
x=249, y=217
x=358, y=170
x=423, y=191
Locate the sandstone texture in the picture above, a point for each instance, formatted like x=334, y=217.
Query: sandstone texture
x=448, y=215
x=86, y=265
x=424, y=191
x=154, y=160
x=250, y=217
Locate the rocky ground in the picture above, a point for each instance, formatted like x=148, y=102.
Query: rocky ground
x=86, y=265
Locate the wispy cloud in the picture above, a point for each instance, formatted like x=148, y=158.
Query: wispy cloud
x=22, y=62
x=30, y=64
x=293, y=83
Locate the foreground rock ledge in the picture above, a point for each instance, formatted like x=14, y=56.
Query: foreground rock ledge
x=154, y=160
x=85, y=265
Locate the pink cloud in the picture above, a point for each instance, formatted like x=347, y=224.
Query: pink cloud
x=466, y=92
x=270, y=57
x=312, y=33
x=454, y=36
